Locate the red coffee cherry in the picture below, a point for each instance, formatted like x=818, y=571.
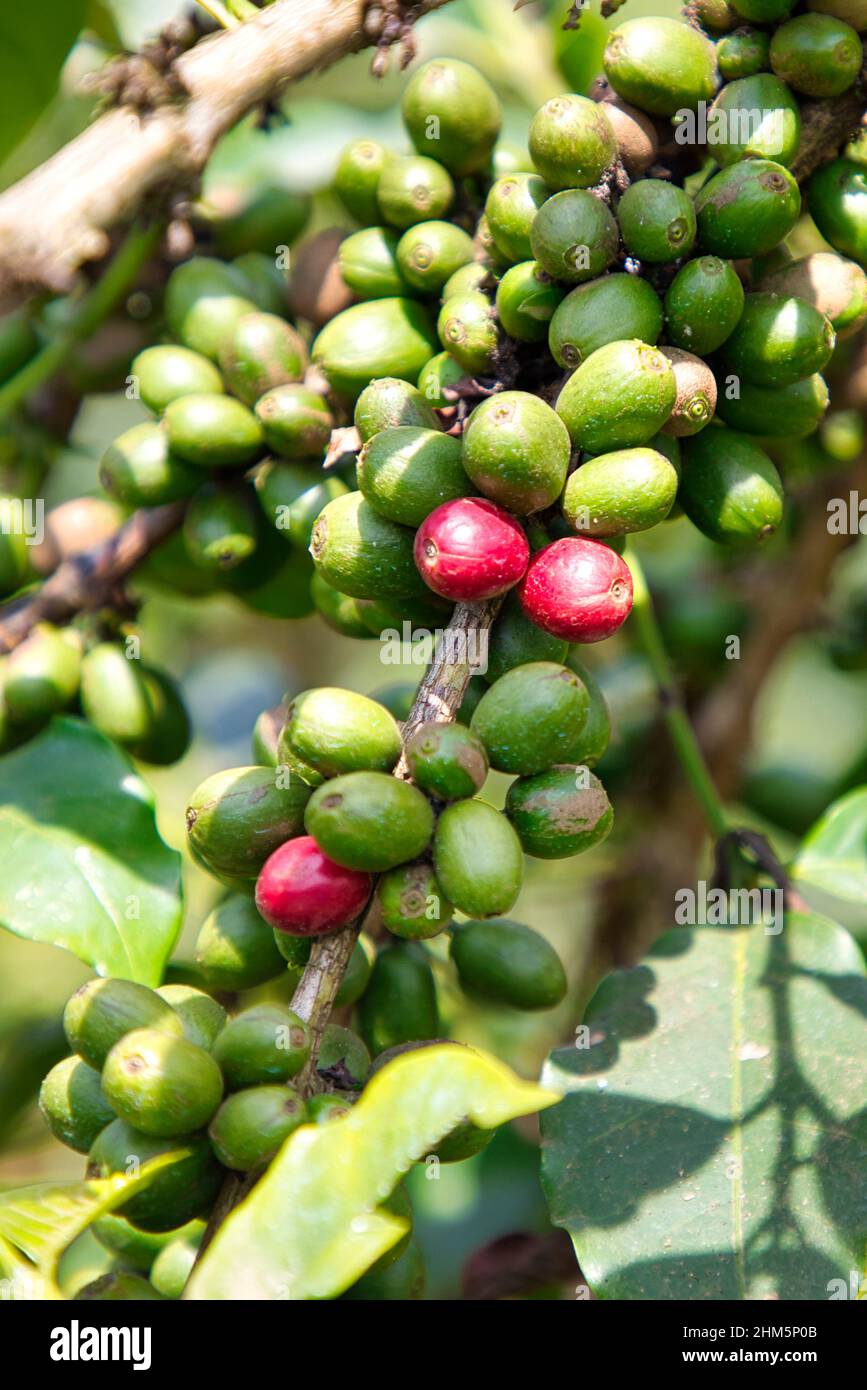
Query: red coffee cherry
x=302, y=892
x=470, y=549
x=577, y=589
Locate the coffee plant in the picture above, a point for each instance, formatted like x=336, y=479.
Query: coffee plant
x=577, y=412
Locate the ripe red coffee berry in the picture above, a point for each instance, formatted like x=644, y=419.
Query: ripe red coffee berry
x=577, y=589
x=302, y=892
x=470, y=549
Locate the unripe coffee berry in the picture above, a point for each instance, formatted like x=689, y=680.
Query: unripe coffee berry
x=470, y=549
x=577, y=589
x=301, y=891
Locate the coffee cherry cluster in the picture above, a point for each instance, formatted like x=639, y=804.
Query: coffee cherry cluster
x=152, y=1071
x=54, y=670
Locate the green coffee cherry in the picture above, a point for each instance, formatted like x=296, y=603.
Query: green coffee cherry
x=571, y=142
x=269, y=213
x=140, y=470
x=412, y=903
x=695, y=398
x=237, y=817
x=114, y=697
x=487, y=255
x=387, y=615
x=42, y=674
x=764, y=11
x=604, y=311
x=515, y=640
x=169, y=734
x=755, y=118
x=170, y=568
x=406, y=472
x=559, y=813
x=532, y=718
x=817, y=55
x=263, y=1045
x=784, y=412
x=388, y=402
x=478, y=859
x=134, y=1248
x=161, y=1085
x=526, y=302
x=357, y=975
x=837, y=196
x=343, y=1050
x=511, y=206
x=220, y=526
x=369, y=821
x=336, y=731
x=328, y=1106
x=266, y=732
x=467, y=328
x=508, y=964
x=201, y=1016
x=835, y=287
x=747, y=209
x=778, y=340
x=118, y=1287
x=362, y=553
x=851, y=11
x=266, y=283
x=463, y=1142
x=204, y=300
x=166, y=373
x=403, y=1281
x=742, y=54
x=73, y=1105
x=177, y=1194
x=101, y=1012
x=382, y=338
x=516, y=450
x=368, y=264
x=657, y=221
x=293, y=495
x=400, y=1003
x=213, y=431
x=413, y=189
x=447, y=761
x=357, y=176
x=660, y=65
x=452, y=113
x=429, y=253
x=597, y=730
x=295, y=950
x=574, y=237
x=613, y=494
x=296, y=422
x=263, y=351
x=250, y=1125
x=14, y=549
x=470, y=277
x=173, y=1265
x=730, y=489
x=703, y=304
x=621, y=395
x=338, y=611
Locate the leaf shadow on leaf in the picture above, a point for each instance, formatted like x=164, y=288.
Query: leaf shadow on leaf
x=620, y=1164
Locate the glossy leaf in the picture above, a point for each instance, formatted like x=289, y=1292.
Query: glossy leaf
x=81, y=862
x=34, y=43
x=312, y=1226
x=38, y=1223
x=833, y=856
x=713, y=1141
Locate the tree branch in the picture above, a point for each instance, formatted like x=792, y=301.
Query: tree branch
x=100, y=180
x=826, y=126
x=87, y=581
x=439, y=696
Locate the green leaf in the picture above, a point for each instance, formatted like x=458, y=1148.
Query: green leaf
x=34, y=43
x=311, y=1227
x=713, y=1142
x=38, y=1223
x=82, y=863
x=833, y=856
